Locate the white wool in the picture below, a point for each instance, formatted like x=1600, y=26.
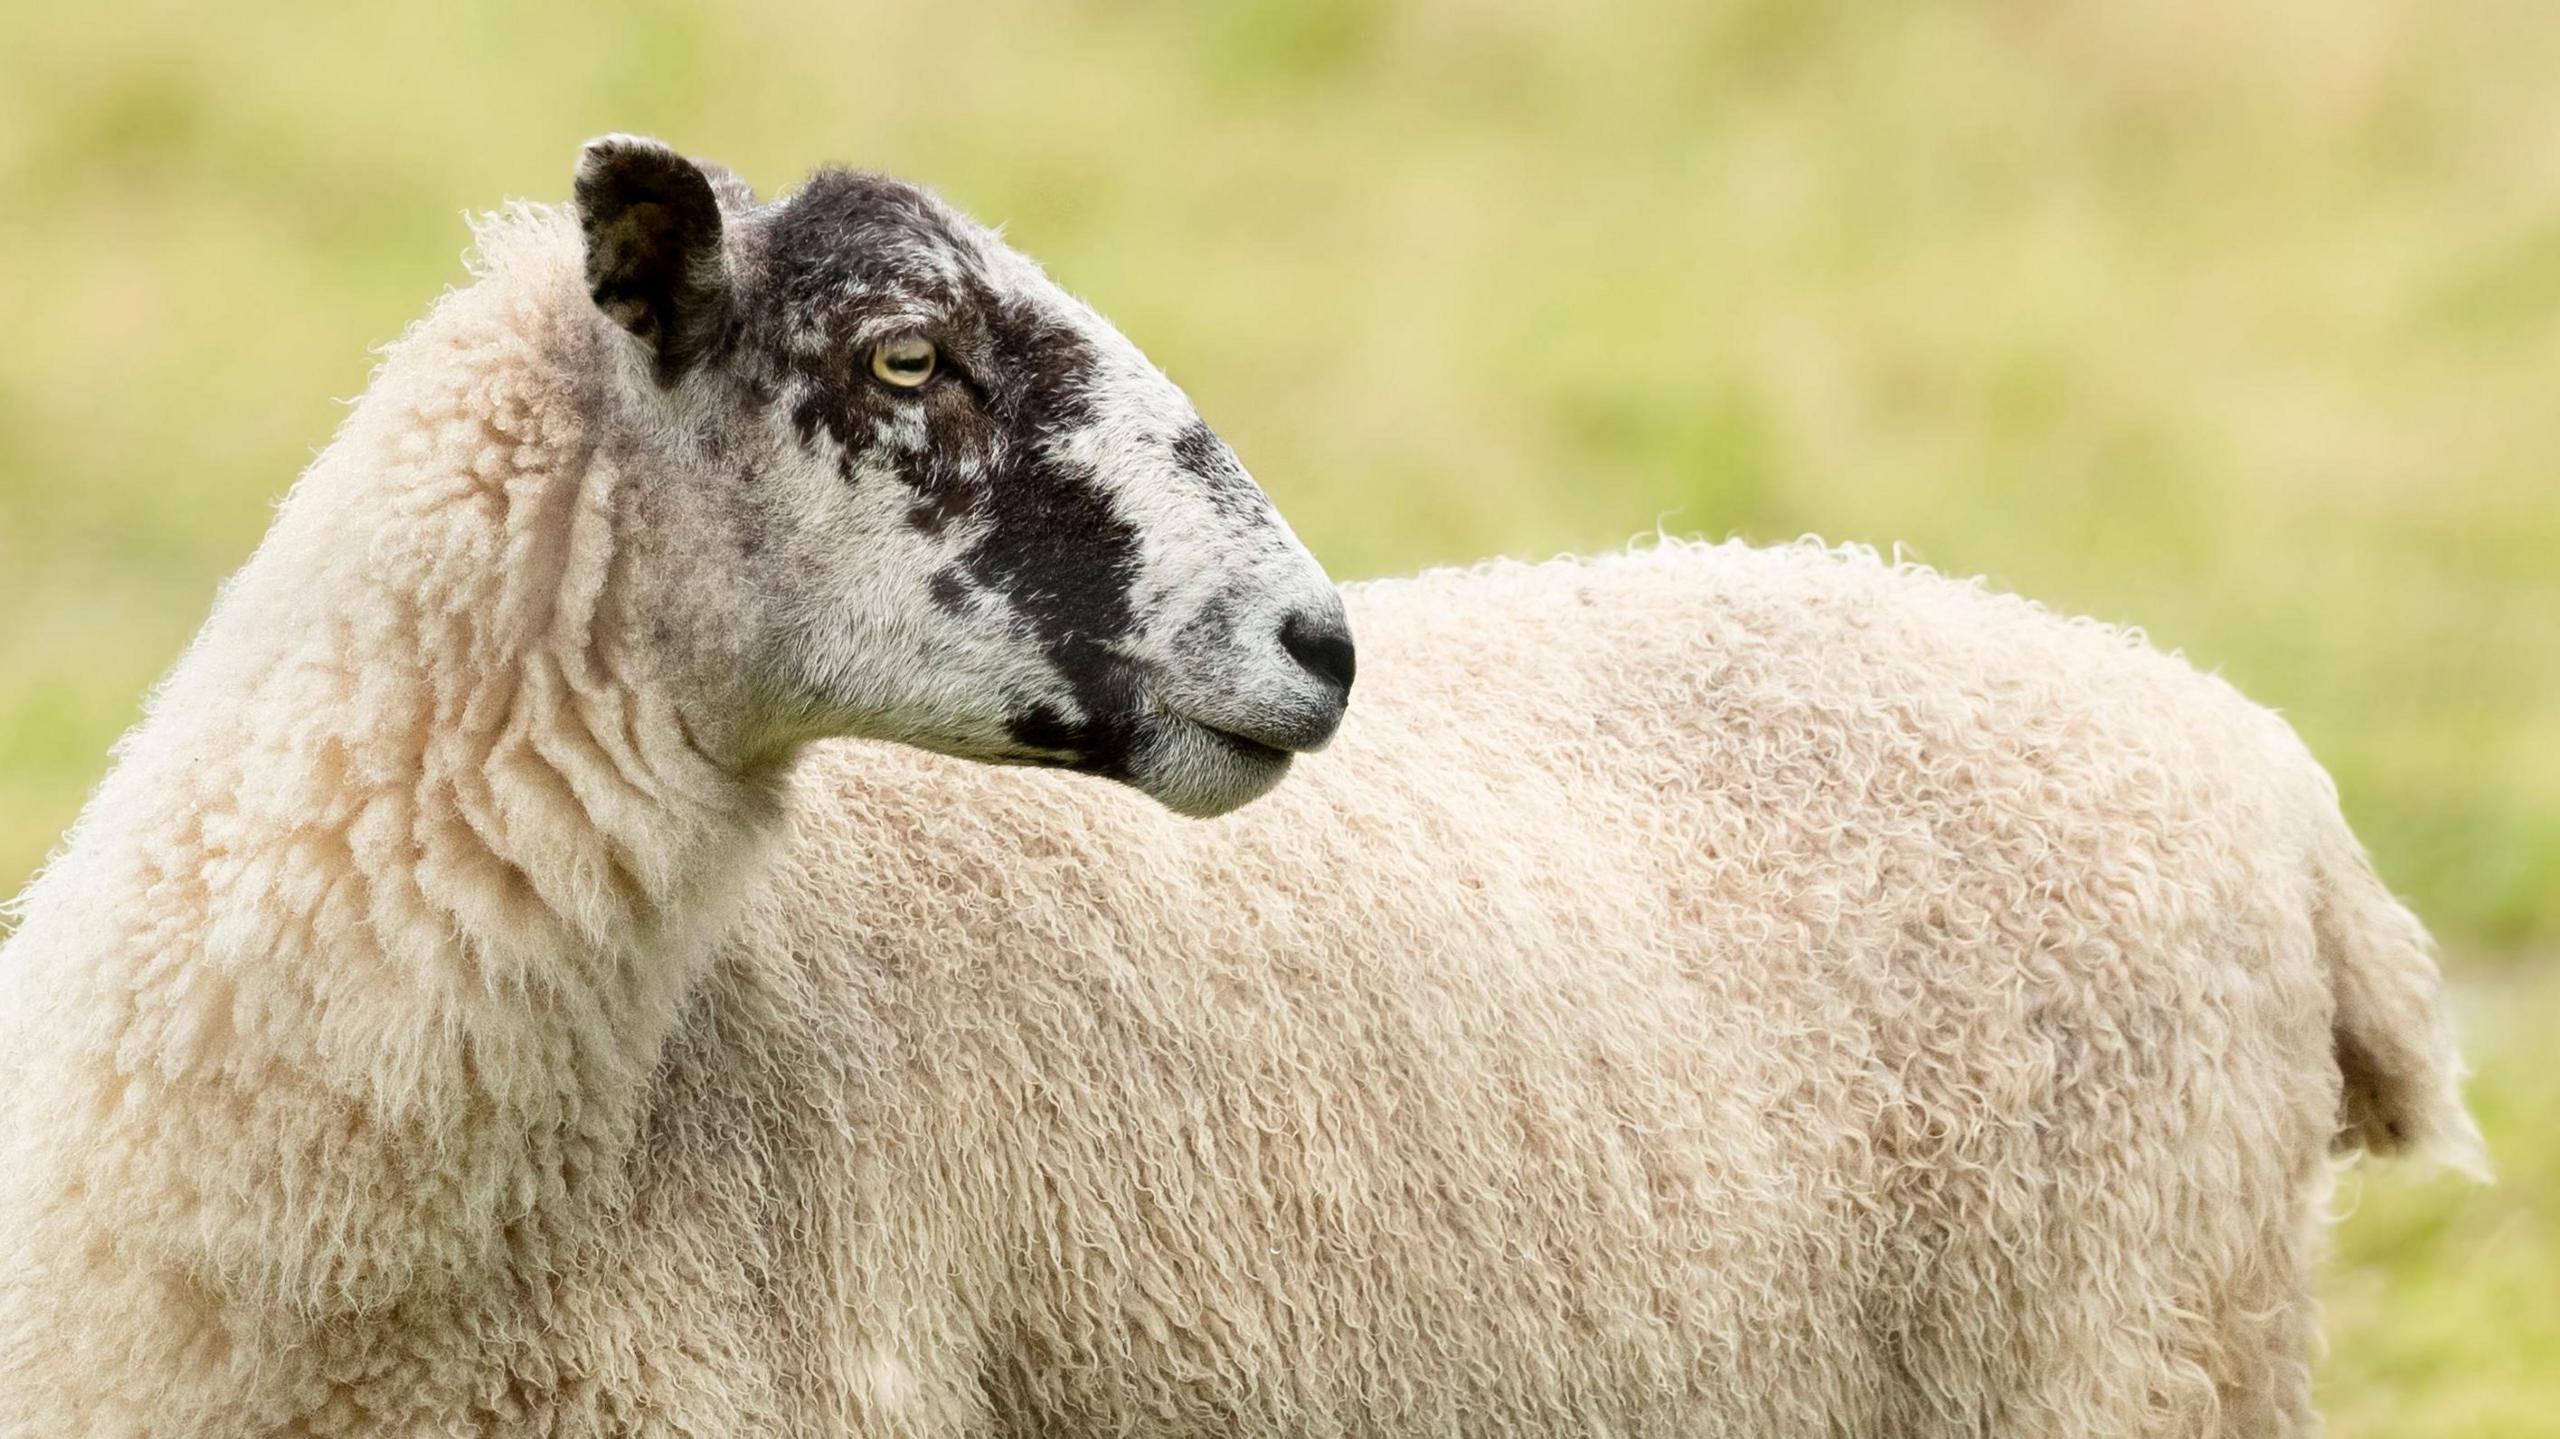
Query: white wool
x=1702, y=990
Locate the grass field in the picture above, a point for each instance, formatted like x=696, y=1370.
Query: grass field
x=2238, y=322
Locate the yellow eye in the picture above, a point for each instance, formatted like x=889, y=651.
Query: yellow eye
x=905, y=362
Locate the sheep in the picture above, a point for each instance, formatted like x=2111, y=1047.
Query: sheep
x=600, y=934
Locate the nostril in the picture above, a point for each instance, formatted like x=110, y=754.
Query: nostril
x=1322, y=646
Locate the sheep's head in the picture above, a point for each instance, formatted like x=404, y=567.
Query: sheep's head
x=915, y=491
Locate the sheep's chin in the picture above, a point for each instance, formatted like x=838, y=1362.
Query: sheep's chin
x=1194, y=770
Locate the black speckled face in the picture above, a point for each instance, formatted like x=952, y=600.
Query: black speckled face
x=982, y=521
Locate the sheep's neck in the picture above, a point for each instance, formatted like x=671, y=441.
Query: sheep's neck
x=364, y=958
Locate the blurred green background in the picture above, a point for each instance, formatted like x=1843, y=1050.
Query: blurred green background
x=2241, y=322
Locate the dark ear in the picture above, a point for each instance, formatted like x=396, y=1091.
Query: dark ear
x=654, y=260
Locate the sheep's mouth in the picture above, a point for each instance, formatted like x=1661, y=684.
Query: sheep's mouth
x=1246, y=745
x=1200, y=769
x=1190, y=763
x=1261, y=729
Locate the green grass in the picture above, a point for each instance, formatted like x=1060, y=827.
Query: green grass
x=2236, y=321
x=2443, y=1299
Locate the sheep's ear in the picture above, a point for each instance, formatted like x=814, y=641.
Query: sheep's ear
x=654, y=257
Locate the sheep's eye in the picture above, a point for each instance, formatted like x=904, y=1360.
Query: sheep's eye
x=905, y=362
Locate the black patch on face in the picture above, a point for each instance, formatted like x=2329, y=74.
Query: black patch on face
x=950, y=593
x=1054, y=546
x=846, y=235
x=1209, y=631
x=1205, y=457
x=1044, y=728
x=1016, y=381
x=1064, y=561
x=1044, y=369
x=947, y=486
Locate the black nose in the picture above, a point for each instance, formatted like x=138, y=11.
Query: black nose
x=1321, y=644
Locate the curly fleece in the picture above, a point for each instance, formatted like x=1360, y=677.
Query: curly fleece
x=1706, y=990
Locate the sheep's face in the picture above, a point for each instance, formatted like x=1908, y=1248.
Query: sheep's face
x=946, y=503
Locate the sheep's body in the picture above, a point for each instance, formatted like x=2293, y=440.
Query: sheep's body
x=1708, y=990
x=1704, y=991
